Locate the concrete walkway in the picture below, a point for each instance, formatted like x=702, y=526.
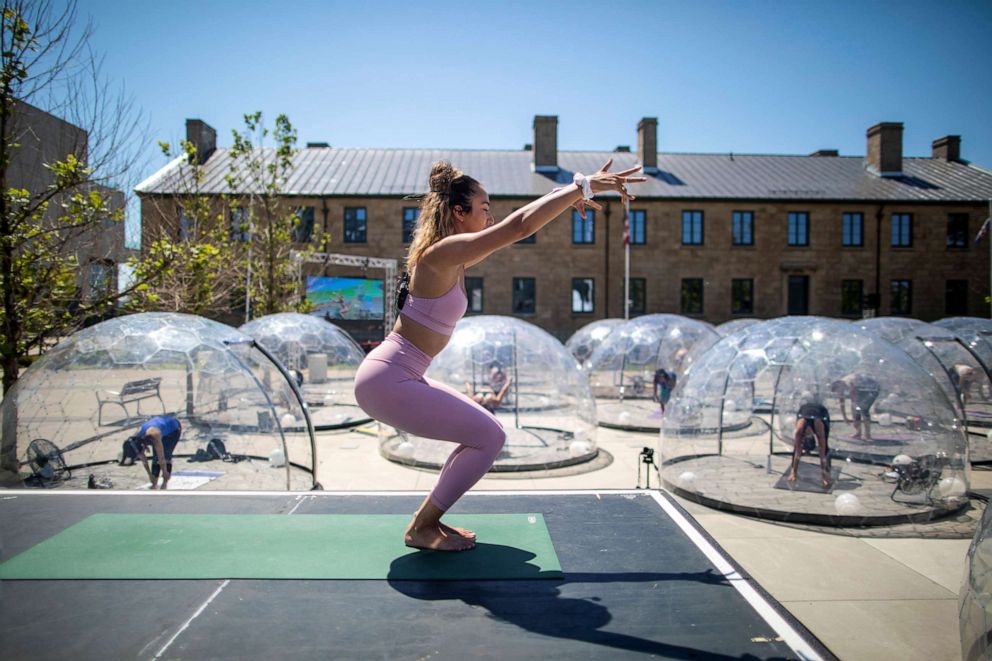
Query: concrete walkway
x=883, y=593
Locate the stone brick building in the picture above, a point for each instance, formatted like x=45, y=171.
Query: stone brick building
x=715, y=236
x=44, y=139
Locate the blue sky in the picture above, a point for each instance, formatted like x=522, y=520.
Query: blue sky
x=746, y=77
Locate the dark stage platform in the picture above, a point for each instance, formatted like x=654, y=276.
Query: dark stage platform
x=640, y=579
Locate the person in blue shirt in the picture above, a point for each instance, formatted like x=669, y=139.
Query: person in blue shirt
x=161, y=434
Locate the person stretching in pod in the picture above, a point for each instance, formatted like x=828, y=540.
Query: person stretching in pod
x=455, y=230
x=812, y=423
x=863, y=391
x=161, y=433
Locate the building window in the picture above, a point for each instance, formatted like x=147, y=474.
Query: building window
x=584, y=229
x=852, y=230
x=957, y=230
x=742, y=228
x=798, y=228
x=186, y=225
x=524, y=296
x=692, y=228
x=742, y=296
x=902, y=297
x=355, y=226
x=473, y=289
x=100, y=279
x=902, y=230
x=303, y=230
x=240, y=224
x=637, y=222
x=851, y=297
x=692, y=295
x=638, y=296
x=583, y=295
x=956, y=298
x=410, y=216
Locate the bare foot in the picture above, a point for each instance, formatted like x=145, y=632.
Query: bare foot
x=826, y=481
x=857, y=437
x=455, y=530
x=433, y=538
x=791, y=477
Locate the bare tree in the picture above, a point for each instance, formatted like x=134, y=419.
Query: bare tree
x=45, y=218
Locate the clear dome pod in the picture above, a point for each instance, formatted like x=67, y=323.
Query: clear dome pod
x=975, y=594
x=894, y=451
x=322, y=357
x=632, y=372
x=734, y=325
x=546, y=409
x=585, y=340
x=977, y=332
x=244, y=425
x=956, y=366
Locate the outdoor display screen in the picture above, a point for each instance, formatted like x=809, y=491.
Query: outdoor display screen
x=345, y=298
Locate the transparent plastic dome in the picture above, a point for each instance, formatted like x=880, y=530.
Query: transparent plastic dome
x=895, y=451
x=954, y=364
x=322, y=356
x=622, y=368
x=585, y=340
x=977, y=332
x=734, y=325
x=547, y=410
x=86, y=396
x=975, y=595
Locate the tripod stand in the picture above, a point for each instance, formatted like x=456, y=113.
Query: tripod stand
x=647, y=459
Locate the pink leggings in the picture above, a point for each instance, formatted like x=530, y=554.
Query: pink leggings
x=391, y=387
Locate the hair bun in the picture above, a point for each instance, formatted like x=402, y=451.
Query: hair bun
x=442, y=174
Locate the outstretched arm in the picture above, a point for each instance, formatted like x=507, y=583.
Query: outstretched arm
x=473, y=247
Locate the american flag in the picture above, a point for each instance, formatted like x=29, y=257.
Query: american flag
x=626, y=225
x=983, y=230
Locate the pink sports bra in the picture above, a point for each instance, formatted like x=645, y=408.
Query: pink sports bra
x=438, y=314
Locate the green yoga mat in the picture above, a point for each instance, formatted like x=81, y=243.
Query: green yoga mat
x=279, y=546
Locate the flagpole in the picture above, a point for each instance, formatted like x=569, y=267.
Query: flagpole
x=626, y=259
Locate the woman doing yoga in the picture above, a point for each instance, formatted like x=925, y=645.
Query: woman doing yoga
x=456, y=230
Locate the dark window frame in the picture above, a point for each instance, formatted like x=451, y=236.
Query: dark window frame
x=847, y=240
x=896, y=297
x=303, y=228
x=408, y=225
x=349, y=234
x=696, y=220
x=736, y=306
x=684, y=301
x=634, y=283
x=584, y=229
x=797, y=221
x=852, y=304
x=956, y=310
x=592, y=295
x=533, y=283
x=243, y=230
x=638, y=227
x=901, y=236
x=957, y=237
x=470, y=286
x=738, y=235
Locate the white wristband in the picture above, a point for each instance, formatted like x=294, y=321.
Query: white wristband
x=585, y=187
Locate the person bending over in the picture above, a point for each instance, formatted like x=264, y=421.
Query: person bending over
x=812, y=417
x=862, y=390
x=161, y=434
x=455, y=231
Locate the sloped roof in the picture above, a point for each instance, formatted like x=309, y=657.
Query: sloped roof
x=397, y=172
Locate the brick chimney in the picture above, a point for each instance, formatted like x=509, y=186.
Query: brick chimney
x=546, y=143
x=885, y=149
x=947, y=148
x=647, y=144
x=204, y=138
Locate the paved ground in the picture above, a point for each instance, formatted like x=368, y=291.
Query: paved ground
x=866, y=593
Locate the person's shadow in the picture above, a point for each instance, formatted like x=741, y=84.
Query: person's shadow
x=531, y=598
